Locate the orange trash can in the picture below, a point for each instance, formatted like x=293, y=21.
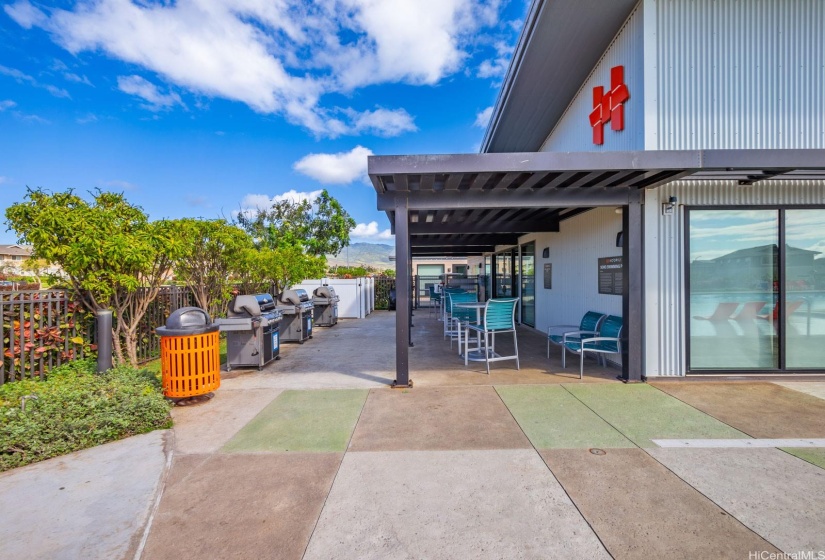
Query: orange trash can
x=189, y=354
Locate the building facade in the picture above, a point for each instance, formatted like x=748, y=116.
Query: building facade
x=661, y=160
x=704, y=75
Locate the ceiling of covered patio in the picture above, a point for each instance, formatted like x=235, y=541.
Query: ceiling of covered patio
x=467, y=204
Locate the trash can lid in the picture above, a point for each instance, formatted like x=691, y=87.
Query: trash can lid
x=187, y=321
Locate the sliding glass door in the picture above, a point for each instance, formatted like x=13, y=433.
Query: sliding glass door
x=805, y=289
x=755, y=280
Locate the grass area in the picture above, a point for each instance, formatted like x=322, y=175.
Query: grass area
x=76, y=408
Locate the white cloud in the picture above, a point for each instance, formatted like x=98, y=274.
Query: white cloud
x=483, y=118
x=370, y=231
x=3, y=179
x=89, y=118
x=339, y=169
x=254, y=202
x=26, y=15
x=149, y=92
x=282, y=56
x=7, y=104
x=118, y=184
x=23, y=77
x=382, y=122
x=496, y=67
x=36, y=119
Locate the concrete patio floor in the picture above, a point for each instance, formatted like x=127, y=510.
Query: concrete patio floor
x=315, y=457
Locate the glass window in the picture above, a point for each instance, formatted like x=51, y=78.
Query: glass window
x=504, y=275
x=733, y=289
x=805, y=286
x=528, y=284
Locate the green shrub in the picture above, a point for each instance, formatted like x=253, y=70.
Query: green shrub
x=75, y=408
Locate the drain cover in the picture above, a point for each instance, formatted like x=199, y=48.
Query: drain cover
x=597, y=451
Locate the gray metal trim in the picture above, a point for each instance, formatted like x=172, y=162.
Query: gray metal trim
x=550, y=198
x=633, y=297
x=724, y=161
x=402, y=294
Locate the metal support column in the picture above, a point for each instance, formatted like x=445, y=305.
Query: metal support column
x=633, y=296
x=403, y=305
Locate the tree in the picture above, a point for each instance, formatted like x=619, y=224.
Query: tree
x=113, y=256
x=320, y=227
x=299, y=234
x=212, y=253
x=35, y=268
x=258, y=269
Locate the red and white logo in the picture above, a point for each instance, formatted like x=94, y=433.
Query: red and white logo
x=609, y=107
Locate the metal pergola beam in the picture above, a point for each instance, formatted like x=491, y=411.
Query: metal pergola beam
x=455, y=228
x=507, y=193
x=538, y=198
x=458, y=241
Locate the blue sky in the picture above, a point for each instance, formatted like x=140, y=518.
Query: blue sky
x=203, y=107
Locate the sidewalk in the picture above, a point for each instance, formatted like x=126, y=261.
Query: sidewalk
x=317, y=458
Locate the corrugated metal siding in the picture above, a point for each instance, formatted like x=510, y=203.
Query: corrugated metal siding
x=740, y=74
x=573, y=132
x=574, y=252
x=664, y=257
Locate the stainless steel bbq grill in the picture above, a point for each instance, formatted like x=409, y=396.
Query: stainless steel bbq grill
x=252, y=331
x=326, y=306
x=296, y=325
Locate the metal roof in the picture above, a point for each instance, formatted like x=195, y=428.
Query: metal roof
x=466, y=204
x=560, y=43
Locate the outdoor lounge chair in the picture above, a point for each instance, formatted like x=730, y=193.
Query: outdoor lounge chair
x=790, y=308
x=749, y=311
x=589, y=324
x=723, y=312
x=608, y=342
x=499, y=317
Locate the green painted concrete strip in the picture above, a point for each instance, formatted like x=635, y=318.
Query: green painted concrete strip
x=643, y=413
x=814, y=455
x=554, y=419
x=302, y=421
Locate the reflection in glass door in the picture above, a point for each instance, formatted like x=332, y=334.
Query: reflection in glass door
x=528, y=284
x=504, y=275
x=805, y=289
x=733, y=289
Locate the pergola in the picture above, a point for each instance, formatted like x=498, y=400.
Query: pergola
x=468, y=204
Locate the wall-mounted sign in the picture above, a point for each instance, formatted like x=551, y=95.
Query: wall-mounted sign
x=548, y=276
x=609, y=107
x=611, y=275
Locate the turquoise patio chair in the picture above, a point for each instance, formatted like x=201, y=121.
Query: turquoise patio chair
x=460, y=317
x=445, y=311
x=589, y=324
x=608, y=341
x=499, y=318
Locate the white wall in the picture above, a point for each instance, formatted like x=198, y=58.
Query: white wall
x=573, y=132
x=574, y=253
x=735, y=74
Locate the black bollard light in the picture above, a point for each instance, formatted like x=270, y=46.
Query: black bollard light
x=104, y=340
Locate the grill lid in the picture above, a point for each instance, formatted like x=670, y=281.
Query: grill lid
x=324, y=292
x=294, y=297
x=251, y=305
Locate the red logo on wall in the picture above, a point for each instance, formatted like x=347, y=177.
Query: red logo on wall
x=609, y=107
